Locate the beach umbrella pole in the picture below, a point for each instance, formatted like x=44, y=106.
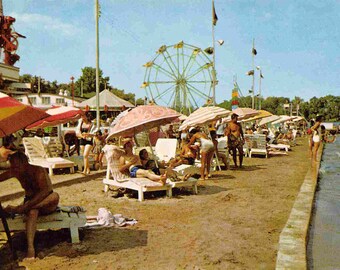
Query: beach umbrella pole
x=152, y=152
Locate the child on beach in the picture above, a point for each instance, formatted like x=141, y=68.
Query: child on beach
x=98, y=144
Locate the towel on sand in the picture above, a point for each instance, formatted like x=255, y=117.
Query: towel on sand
x=106, y=219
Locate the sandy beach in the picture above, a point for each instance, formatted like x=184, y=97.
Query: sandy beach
x=233, y=223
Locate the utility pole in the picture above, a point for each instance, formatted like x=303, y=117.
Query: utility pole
x=214, y=51
x=97, y=63
x=252, y=87
x=1, y=9
x=72, y=90
x=261, y=76
x=81, y=88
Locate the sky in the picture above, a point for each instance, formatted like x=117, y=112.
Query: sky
x=297, y=42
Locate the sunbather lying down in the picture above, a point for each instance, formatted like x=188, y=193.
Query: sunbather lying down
x=131, y=164
x=163, y=167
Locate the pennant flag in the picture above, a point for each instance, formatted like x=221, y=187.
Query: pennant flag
x=254, y=52
x=209, y=50
x=214, y=16
x=250, y=73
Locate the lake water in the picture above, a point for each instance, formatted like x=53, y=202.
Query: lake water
x=323, y=250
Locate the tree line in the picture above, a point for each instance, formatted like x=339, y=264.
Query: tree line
x=328, y=106
x=85, y=86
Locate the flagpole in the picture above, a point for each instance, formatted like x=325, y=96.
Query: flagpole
x=260, y=90
x=97, y=64
x=252, y=87
x=214, y=51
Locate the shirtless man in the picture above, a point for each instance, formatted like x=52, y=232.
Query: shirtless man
x=131, y=164
x=235, y=138
x=39, y=196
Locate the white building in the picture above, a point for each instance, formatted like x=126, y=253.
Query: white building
x=46, y=100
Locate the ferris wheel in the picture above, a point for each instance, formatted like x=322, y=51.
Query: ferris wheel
x=180, y=76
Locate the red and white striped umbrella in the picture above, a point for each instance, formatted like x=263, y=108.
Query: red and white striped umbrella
x=57, y=116
x=15, y=115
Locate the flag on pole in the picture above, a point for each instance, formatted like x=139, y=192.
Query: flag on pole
x=250, y=73
x=214, y=16
x=254, y=52
x=261, y=75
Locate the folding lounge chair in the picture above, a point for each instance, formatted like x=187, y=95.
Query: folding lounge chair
x=279, y=146
x=115, y=178
x=63, y=217
x=38, y=155
x=259, y=145
x=166, y=149
x=248, y=141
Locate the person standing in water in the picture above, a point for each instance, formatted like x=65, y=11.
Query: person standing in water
x=316, y=137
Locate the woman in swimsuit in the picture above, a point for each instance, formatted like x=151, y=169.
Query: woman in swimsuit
x=316, y=139
x=86, y=140
x=206, y=150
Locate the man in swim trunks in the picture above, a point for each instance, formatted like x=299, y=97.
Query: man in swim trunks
x=130, y=164
x=39, y=196
x=235, y=136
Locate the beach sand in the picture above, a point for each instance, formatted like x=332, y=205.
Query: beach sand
x=233, y=223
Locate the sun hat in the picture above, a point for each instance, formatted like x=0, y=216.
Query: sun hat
x=123, y=141
x=191, y=129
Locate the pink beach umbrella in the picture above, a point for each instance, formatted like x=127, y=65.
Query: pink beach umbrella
x=57, y=116
x=142, y=118
x=15, y=115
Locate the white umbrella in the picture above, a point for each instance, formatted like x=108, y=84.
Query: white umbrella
x=283, y=118
x=268, y=120
x=203, y=116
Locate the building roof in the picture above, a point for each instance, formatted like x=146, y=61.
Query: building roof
x=106, y=98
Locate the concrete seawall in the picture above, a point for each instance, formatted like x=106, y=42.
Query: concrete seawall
x=293, y=238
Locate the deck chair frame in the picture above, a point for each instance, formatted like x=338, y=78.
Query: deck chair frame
x=259, y=145
x=115, y=178
x=56, y=220
x=39, y=156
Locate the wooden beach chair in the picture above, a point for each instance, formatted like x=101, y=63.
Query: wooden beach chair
x=63, y=217
x=38, y=155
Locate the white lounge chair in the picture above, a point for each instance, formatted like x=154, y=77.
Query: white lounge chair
x=115, y=178
x=259, y=145
x=279, y=146
x=58, y=220
x=38, y=155
x=248, y=142
x=165, y=149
